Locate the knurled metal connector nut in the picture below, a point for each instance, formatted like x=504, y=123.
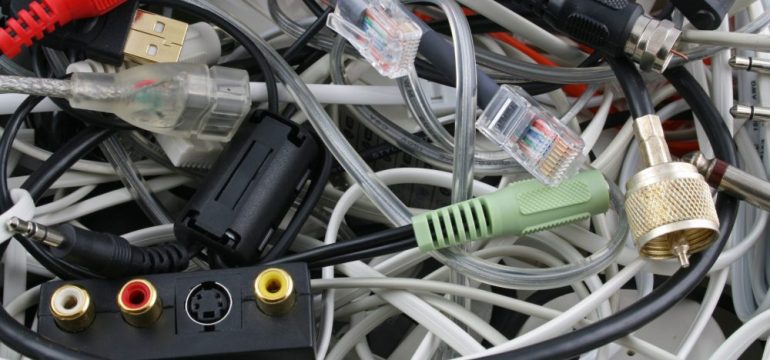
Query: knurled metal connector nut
x=667, y=203
x=651, y=43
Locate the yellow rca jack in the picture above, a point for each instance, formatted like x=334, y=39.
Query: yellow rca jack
x=274, y=291
x=72, y=308
x=139, y=303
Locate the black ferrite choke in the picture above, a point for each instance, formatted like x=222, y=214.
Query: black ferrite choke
x=238, y=207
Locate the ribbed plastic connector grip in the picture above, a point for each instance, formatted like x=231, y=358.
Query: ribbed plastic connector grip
x=522, y=208
x=44, y=16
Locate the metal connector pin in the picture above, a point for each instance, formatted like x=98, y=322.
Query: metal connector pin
x=154, y=38
x=750, y=64
x=681, y=248
x=750, y=112
x=35, y=231
x=732, y=180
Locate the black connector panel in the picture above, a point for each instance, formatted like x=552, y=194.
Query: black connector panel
x=102, y=38
x=238, y=207
x=205, y=315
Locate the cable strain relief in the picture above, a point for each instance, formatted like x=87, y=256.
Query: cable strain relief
x=31, y=23
x=43, y=16
x=164, y=258
x=455, y=224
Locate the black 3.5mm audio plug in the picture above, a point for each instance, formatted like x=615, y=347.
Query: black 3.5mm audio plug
x=106, y=254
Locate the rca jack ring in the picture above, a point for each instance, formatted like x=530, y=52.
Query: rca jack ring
x=274, y=291
x=72, y=308
x=139, y=303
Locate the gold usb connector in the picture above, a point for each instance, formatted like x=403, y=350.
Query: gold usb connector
x=155, y=39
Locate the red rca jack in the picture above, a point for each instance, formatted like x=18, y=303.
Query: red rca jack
x=72, y=308
x=139, y=303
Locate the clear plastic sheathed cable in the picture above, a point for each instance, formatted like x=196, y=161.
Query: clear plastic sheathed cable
x=35, y=86
x=176, y=99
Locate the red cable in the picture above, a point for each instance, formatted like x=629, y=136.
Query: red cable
x=44, y=16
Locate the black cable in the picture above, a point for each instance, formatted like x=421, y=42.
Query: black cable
x=305, y=209
x=537, y=88
x=6, y=143
x=314, y=28
x=637, y=96
x=369, y=253
x=62, y=159
x=243, y=39
x=358, y=244
x=314, y=7
x=441, y=54
x=678, y=286
x=478, y=24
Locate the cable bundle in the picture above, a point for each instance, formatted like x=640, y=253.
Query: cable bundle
x=576, y=73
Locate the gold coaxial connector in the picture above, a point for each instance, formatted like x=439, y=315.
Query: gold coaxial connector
x=72, y=308
x=274, y=291
x=139, y=303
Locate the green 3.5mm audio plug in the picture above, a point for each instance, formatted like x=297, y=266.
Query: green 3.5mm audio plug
x=521, y=208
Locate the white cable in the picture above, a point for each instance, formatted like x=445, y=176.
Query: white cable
x=479, y=295
x=442, y=274
x=65, y=201
x=69, y=179
x=107, y=200
x=759, y=42
x=740, y=340
x=377, y=317
x=594, y=130
x=766, y=352
x=721, y=76
x=570, y=317
x=709, y=303
x=408, y=303
x=426, y=349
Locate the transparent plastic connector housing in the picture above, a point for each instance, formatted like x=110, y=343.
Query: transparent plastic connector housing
x=185, y=100
x=381, y=31
x=547, y=149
